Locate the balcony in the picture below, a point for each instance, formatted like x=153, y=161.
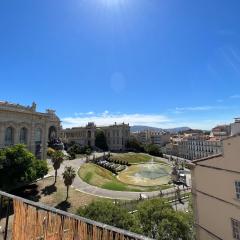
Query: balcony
x=21, y=219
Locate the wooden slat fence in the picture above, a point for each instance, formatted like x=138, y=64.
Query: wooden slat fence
x=21, y=219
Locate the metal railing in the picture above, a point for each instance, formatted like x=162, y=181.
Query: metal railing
x=169, y=195
x=33, y=216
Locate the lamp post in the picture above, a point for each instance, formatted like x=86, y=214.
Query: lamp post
x=176, y=198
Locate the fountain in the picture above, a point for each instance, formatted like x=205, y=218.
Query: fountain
x=150, y=174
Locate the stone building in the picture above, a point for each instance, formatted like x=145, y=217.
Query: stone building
x=85, y=136
x=117, y=135
x=23, y=124
x=216, y=193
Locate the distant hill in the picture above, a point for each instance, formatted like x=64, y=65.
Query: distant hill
x=177, y=130
x=138, y=128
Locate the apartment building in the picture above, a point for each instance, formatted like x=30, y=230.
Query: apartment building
x=221, y=131
x=159, y=138
x=235, y=127
x=172, y=148
x=197, y=146
x=143, y=136
x=216, y=193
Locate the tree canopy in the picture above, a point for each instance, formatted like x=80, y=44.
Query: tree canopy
x=19, y=166
x=100, y=140
x=108, y=213
x=68, y=176
x=160, y=221
x=134, y=145
x=154, y=150
x=57, y=159
x=154, y=218
x=74, y=148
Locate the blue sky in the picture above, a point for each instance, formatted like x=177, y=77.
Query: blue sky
x=149, y=62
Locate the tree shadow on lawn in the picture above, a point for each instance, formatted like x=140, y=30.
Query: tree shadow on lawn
x=48, y=190
x=64, y=205
x=30, y=192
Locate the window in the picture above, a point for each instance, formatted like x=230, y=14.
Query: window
x=52, y=133
x=236, y=229
x=237, y=186
x=9, y=136
x=38, y=135
x=89, y=134
x=23, y=135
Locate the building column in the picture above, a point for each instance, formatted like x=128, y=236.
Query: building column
x=16, y=133
x=2, y=135
x=32, y=138
x=44, y=143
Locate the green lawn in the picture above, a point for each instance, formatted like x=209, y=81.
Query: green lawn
x=132, y=157
x=100, y=177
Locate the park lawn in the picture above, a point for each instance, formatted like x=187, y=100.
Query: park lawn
x=101, y=177
x=45, y=192
x=131, y=157
x=159, y=160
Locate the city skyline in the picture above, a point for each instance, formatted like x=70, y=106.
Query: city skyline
x=156, y=63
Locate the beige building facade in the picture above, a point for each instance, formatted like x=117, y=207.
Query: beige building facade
x=216, y=193
x=199, y=146
x=235, y=127
x=116, y=135
x=23, y=124
x=159, y=138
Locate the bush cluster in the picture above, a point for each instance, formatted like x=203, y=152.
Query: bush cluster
x=18, y=166
x=152, y=149
x=74, y=149
x=154, y=218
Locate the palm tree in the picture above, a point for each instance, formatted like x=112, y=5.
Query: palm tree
x=57, y=159
x=68, y=176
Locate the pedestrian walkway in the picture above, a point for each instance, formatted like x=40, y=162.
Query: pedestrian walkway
x=84, y=187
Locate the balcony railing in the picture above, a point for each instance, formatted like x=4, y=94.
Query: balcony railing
x=22, y=219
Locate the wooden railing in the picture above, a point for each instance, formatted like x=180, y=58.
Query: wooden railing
x=22, y=219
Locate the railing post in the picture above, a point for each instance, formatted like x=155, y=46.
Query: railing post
x=1, y=203
x=7, y=217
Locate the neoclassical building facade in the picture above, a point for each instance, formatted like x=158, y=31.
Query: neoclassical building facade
x=23, y=124
x=117, y=135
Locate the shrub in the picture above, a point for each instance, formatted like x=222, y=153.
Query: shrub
x=19, y=166
x=50, y=152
